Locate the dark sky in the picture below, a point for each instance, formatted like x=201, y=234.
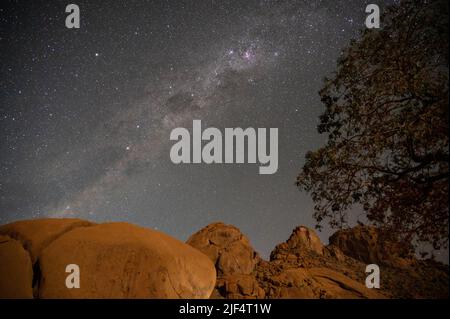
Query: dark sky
x=86, y=114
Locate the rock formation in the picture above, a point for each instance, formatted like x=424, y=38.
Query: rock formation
x=116, y=260
x=368, y=245
x=120, y=260
x=234, y=257
x=302, y=267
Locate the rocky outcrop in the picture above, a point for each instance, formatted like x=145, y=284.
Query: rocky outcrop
x=116, y=260
x=369, y=245
x=302, y=267
x=227, y=247
x=285, y=276
x=234, y=258
x=301, y=240
x=120, y=260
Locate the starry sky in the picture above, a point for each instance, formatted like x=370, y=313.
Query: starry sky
x=86, y=114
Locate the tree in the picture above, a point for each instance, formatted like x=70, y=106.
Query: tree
x=386, y=119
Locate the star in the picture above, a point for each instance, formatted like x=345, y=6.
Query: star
x=226, y=64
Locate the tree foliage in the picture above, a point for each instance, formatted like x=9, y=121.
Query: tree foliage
x=386, y=118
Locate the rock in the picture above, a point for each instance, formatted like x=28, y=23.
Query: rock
x=301, y=240
x=120, y=260
x=294, y=283
x=227, y=248
x=337, y=285
x=368, y=245
x=239, y=287
x=36, y=234
x=334, y=252
x=303, y=268
x=16, y=273
x=284, y=276
x=234, y=258
x=316, y=283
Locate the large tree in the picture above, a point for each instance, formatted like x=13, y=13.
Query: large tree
x=386, y=119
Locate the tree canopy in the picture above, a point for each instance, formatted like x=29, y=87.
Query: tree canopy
x=386, y=119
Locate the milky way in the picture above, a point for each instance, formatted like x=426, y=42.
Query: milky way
x=86, y=113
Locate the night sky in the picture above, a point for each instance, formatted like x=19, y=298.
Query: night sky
x=86, y=114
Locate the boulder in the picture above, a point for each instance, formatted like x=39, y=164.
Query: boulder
x=36, y=234
x=234, y=258
x=227, y=248
x=120, y=260
x=16, y=273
